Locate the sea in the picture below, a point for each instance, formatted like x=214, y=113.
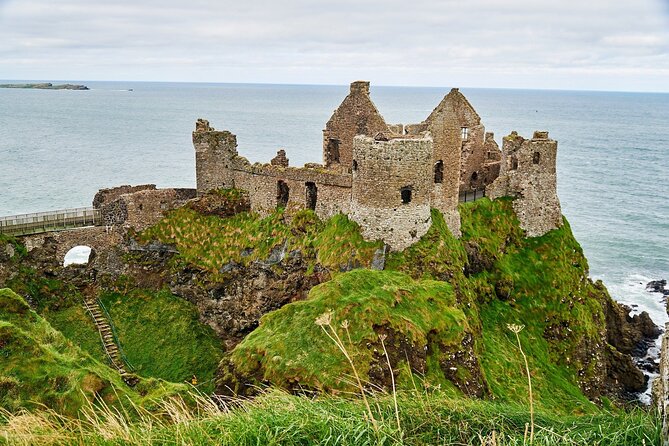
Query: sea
x=58, y=147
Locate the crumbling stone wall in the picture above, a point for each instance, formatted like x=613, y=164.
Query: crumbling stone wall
x=105, y=196
x=493, y=158
x=143, y=208
x=214, y=152
x=392, y=183
x=444, y=126
x=528, y=173
x=357, y=115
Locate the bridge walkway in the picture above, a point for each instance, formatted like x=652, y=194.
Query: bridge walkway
x=59, y=220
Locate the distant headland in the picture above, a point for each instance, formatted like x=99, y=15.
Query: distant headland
x=46, y=86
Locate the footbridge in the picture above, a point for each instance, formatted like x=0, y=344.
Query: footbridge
x=35, y=223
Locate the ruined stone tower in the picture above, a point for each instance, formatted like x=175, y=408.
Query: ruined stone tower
x=214, y=154
x=528, y=174
x=392, y=181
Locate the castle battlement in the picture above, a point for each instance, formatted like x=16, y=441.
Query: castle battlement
x=386, y=177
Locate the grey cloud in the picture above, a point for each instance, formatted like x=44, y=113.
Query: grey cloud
x=334, y=41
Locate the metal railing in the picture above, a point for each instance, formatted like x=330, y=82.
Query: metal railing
x=471, y=196
x=50, y=221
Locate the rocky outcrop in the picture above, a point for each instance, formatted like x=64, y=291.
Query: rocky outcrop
x=628, y=337
x=234, y=305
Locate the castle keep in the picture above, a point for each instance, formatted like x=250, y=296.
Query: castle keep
x=386, y=177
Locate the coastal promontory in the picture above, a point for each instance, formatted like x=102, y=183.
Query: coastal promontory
x=46, y=86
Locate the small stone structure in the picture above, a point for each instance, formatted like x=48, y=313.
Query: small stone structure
x=138, y=207
x=528, y=174
x=385, y=177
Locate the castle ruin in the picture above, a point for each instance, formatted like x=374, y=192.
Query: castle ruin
x=386, y=177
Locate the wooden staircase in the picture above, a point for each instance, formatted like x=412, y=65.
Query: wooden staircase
x=108, y=340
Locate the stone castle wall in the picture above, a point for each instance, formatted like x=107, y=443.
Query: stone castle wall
x=392, y=183
x=143, y=208
x=106, y=196
x=357, y=115
x=528, y=173
x=365, y=160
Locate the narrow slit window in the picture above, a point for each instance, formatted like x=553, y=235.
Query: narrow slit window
x=439, y=172
x=536, y=158
x=406, y=195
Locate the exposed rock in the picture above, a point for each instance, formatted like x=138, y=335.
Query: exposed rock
x=658, y=286
x=379, y=260
x=628, y=336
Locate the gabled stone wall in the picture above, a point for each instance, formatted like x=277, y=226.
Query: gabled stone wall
x=356, y=115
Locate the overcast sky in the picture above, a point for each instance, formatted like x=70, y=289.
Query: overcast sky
x=563, y=44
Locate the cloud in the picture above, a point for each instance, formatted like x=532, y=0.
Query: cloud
x=310, y=41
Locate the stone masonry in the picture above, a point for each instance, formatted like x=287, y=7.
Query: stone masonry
x=138, y=207
x=528, y=174
x=385, y=177
x=392, y=182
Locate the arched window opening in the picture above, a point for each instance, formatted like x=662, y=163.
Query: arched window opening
x=311, y=195
x=536, y=158
x=79, y=255
x=514, y=162
x=439, y=172
x=355, y=165
x=475, y=176
x=282, y=192
x=405, y=192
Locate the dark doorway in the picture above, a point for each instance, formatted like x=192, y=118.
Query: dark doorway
x=439, y=172
x=333, y=151
x=312, y=195
x=282, y=192
x=406, y=195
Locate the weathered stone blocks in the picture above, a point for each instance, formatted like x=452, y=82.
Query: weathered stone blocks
x=528, y=173
x=392, y=182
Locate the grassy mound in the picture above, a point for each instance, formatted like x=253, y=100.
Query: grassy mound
x=418, y=319
x=40, y=366
x=208, y=242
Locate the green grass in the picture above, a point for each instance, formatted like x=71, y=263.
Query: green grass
x=41, y=368
x=210, y=242
x=290, y=350
x=162, y=337
x=538, y=282
x=276, y=418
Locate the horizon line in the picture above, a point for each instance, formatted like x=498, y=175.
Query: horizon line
x=287, y=84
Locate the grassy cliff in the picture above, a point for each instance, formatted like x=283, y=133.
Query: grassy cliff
x=42, y=368
x=433, y=325
x=450, y=300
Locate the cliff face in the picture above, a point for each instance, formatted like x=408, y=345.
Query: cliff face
x=440, y=309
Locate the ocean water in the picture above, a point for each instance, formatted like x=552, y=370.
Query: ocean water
x=57, y=148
